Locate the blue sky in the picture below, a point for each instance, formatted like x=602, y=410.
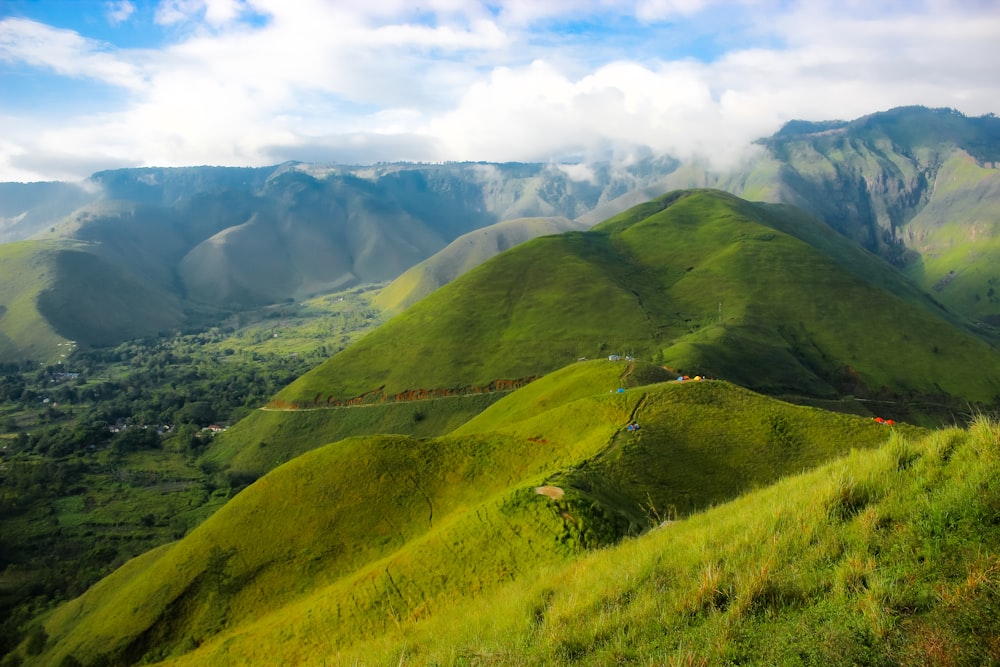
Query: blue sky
x=90, y=85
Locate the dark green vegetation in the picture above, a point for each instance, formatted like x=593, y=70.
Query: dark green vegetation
x=700, y=281
x=366, y=535
x=101, y=456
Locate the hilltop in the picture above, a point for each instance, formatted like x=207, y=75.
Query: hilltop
x=700, y=281
x=343, y=539
x=919, y=187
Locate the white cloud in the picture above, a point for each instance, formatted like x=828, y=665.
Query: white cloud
x=654, y=10
x=64, y=52
x=456, y=79
x=118, y=11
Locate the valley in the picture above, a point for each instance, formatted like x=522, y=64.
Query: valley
x=438, y=414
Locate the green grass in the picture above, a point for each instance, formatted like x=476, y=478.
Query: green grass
x=958, y=240
x=369, y=535
x=463, y=254
x=701, y=281
x=98, y=302
x=885, y=556
x=26, y=269
x=56, y=292
x=267, y=438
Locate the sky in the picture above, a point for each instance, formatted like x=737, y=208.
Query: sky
x=88, y=85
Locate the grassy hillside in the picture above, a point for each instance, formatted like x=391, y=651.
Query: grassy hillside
x=464, y=253
x=957, y=239
x=882, y=557
x=367, y=535
x=56, y=295
x=26, y=269
x=267, y=438
x=97, y=302
x=697, y=280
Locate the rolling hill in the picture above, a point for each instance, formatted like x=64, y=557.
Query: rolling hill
x=697, y=280
x=362, y=537
x=918, y=186
x=58, y=295
x=464, y=253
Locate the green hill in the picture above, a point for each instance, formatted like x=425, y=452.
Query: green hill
x=56, y=296
x=26, y=269
x=364, y=536
x=464, y=253
x=880, y=558
x=699, y=281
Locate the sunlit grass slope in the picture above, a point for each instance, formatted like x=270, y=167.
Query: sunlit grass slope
x=26, y=269
x=958, y=238
x=56, y=291
x=267, y=438
x=464, y=253
x=699, y=280
x=883, y=557
x=367, y=535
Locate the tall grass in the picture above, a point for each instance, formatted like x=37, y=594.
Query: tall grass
x=369, y=538
x=864, y=561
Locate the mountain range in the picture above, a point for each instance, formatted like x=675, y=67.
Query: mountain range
x=197, y=243
x=915, y=186
x=642, y=438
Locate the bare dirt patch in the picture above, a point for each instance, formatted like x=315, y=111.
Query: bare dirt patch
x=553, y=492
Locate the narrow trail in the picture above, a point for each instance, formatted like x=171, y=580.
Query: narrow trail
x=616, y=438
x=627, y=372
x=638, y=406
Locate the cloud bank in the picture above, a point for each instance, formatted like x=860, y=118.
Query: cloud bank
x=253, y=82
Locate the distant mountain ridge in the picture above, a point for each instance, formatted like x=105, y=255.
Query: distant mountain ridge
x=919, y=187
x=215, y=239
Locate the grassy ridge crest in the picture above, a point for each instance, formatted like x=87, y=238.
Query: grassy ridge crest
x=698, y=280
x=379, y=531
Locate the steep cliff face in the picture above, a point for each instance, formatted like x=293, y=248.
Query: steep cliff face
x=916, y=186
